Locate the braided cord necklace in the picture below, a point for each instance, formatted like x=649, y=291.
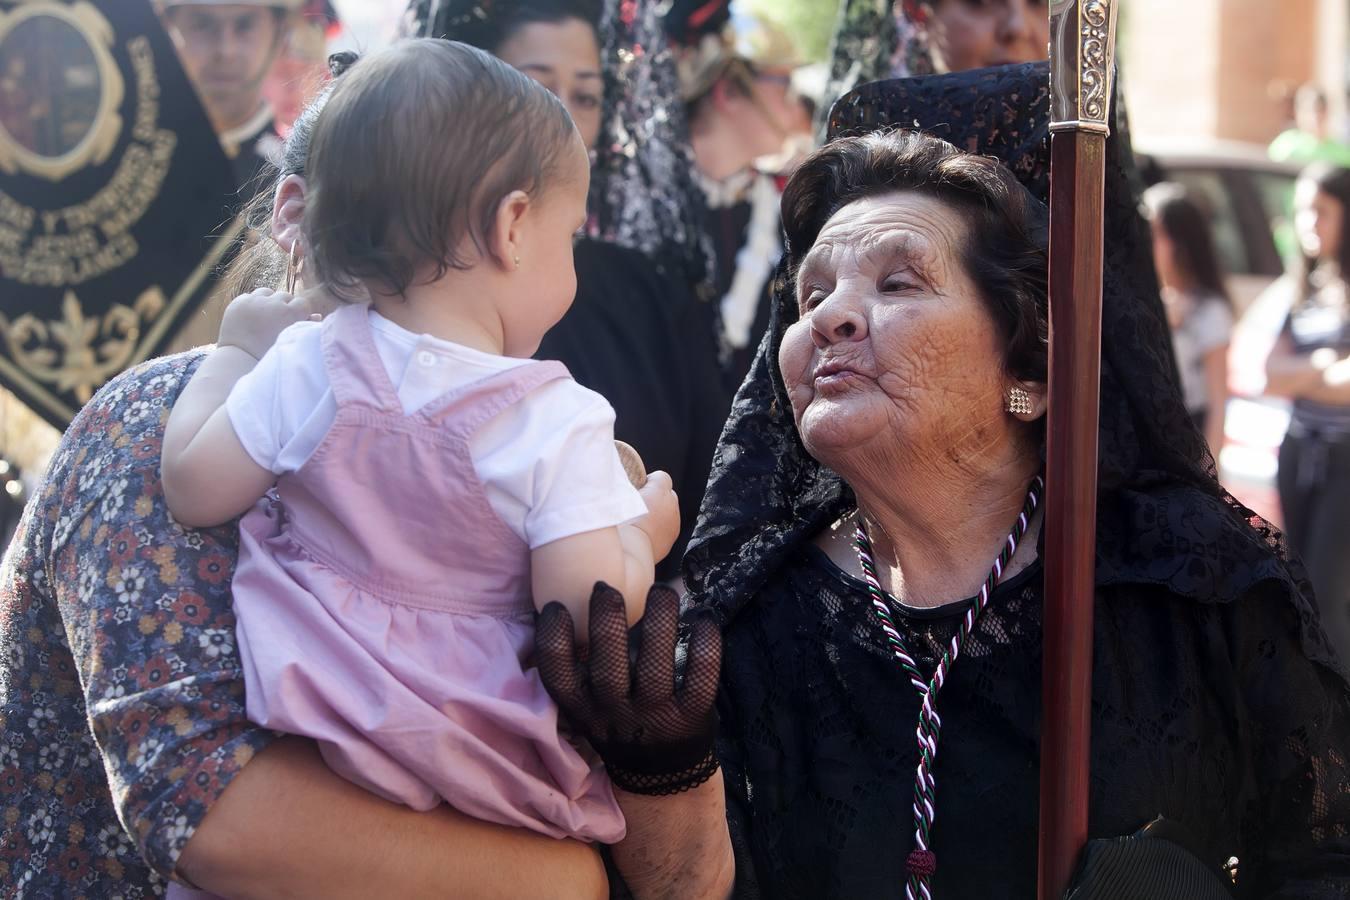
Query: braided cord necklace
x=922, y=862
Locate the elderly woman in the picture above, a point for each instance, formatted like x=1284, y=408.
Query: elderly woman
x=869, y=542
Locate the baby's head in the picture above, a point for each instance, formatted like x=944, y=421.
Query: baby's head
x=432, y=158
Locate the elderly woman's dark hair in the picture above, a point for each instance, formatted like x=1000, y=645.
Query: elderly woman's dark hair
x=1005, y=251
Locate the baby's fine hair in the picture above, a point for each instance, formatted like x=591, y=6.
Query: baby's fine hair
x=410, y=158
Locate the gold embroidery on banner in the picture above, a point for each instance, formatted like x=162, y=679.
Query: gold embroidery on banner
x=65, y=247
x=43, y=393
x=77, y=142
x=77, y=354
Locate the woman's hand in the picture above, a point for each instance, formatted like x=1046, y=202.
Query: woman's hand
x=1336, y=373
x=653, y=730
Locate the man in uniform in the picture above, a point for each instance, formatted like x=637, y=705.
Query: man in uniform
x=228, y=47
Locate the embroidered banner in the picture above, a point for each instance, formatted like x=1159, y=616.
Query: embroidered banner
x=114, y=194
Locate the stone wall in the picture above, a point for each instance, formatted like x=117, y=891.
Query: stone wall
x=1205, y=68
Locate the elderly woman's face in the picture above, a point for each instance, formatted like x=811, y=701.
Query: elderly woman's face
x=894, y=348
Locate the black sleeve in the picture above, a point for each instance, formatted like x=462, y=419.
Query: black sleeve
x=738, y=800
x=1298, y=837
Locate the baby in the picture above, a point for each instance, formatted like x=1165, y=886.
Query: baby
x=434, y=486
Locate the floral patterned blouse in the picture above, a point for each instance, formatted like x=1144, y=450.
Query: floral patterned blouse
x=121, y=698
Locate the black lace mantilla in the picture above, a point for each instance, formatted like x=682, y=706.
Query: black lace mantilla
x=1163, y=519
x=1217, y=701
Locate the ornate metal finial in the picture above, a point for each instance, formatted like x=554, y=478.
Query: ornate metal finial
x=1082, y=64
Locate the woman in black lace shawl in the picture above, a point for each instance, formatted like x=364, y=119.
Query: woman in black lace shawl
x=876, y=40
x=1217, y=702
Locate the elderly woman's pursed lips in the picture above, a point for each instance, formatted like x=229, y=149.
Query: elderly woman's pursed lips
x=833, y=375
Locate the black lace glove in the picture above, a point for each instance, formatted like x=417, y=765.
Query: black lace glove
x=653, y=727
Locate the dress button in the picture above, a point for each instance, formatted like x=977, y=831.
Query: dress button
x=426, y=358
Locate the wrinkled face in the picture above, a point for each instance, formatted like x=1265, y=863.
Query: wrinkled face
x=975, y=34
x=563, y=57
x=894, y=351
x=1318, y=221
x=226, y=51
x=547, y=276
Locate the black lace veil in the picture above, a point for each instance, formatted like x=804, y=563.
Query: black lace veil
x=1163, y=518
x=874, y=40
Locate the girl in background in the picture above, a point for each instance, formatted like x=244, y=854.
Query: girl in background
x=1199, y=309
x=1310, y=364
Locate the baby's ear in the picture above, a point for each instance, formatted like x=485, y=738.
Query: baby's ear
x=506, y=242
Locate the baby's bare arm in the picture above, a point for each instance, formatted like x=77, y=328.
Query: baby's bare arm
x=624, y=558
x=208, y=476
x=567, y=570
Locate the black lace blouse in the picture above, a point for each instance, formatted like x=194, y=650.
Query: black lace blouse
x=1209, y=714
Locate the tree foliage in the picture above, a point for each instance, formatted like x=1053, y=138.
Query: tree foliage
x=809, y=22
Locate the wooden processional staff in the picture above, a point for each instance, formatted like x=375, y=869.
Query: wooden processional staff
x=1082, y=50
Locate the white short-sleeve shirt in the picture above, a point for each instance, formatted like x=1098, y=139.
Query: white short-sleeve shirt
x=548, y=462
x=1206, y=326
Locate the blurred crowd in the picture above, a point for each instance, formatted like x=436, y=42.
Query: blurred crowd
x=1271, y=374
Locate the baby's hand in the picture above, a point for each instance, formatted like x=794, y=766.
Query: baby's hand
x=253, y=320
x=662, y=521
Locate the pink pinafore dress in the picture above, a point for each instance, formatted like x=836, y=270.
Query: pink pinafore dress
x=384, y=609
